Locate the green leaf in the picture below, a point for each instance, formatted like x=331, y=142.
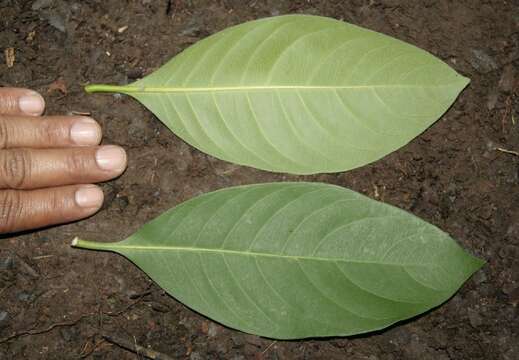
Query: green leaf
x=298, y=94
x=297, y=260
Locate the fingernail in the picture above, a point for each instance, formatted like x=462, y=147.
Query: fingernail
x=112, y=158
x=31, y=104
x=89, y=197
x=85, y=132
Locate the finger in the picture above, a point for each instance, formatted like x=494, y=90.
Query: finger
x=48, y=131
x=23, y=210
x=32, y=169
x=16, y=101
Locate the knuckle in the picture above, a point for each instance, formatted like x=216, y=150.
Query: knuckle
x=8, y=103
x=56, y=203
x=11, y=210
x=77, y=162
x=3, y=133
x=16, y=167
x=49, y=133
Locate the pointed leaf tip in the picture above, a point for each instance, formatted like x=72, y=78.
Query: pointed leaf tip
x=464, y=82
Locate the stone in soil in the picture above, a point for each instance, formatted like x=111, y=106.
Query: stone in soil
x=4, y=318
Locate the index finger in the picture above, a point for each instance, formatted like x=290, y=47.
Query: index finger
x=17, y=101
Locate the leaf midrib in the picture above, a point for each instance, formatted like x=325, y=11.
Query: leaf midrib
x=103, y=246
x=167, y=89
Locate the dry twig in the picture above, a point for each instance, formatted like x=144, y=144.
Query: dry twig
x=9, y=57
x=516, y=153
x=268, y=347
x=44, y=330
x=26, y=268
x=68, y=323
x=137, y=349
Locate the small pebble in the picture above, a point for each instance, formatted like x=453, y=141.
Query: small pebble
x=4, y=317
x=253, y=340
x=480, y=277
x=221, y=348
x=40, y=4
x=474, y=318
x=69, y=333
x=25, y=296
x=482, y=62
x=400, y=336
x=192, y=28
x=159, y=307
x=492, y=99
x=121, y=202
x=56, y=21
x=212, y=330
x=6, y=263
x=238, y=340
x=513, y=296
x=507, y=80
x=195, y=356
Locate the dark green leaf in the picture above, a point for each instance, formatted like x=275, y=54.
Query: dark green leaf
x=296, y=260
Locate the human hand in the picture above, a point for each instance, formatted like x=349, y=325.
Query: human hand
x=48, y=164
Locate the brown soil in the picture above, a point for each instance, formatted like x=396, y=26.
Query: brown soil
x=56, y=302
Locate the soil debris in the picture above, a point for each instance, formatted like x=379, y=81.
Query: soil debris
x=482, y=62
x=10, y=57
x=111, y=296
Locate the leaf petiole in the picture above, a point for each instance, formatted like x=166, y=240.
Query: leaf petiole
x=108, y=88
x=92, y=245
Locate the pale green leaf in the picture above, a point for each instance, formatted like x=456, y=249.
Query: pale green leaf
x=298, y=94
x=297, y=260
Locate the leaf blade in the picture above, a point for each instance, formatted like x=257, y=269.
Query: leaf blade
x=351, y=264
x=299, y=94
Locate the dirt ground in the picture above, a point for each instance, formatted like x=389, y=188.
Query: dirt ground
x=57, y=302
